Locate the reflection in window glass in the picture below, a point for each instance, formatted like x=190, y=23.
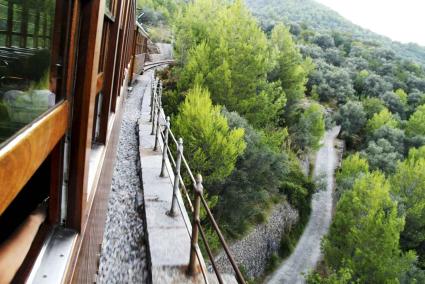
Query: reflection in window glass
x=26, y=90
x=108, y=5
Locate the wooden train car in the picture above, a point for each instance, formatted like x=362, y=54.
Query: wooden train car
x=65, y=66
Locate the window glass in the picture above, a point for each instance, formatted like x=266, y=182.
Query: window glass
x=26, y=90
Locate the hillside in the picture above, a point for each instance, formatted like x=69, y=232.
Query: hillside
x=252, y=102
x=318, y=17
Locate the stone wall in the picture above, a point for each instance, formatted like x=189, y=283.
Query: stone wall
x=254, y=251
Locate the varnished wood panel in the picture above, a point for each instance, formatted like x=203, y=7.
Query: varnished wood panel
x=92, y=13
x=139, y=64
x=91, y=239
x=21, y=158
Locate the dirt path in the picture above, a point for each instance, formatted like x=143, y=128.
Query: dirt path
x=307, y=252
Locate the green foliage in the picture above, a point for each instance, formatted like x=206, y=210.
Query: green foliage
x=258, y=175
x=289, y=67
x=352, y=168
x=372, y=106
x=289, y=239
x=416, y=154
x=384, y=117
x=158, y=16
x=402, y=95
x=298, y=188
x=382, y=155
x=264, y=77
x=223, y=49
x=364, y=235
x=335, y=85
x=352, y=119
x=343, y=276
x=414, y=100
x=408, y=185
x=394, y=103
x=211, y=147
x=394, y=136
x=416, y=124
x=359, y=81
x=309, y=129
x=414, y=276
x=374, y=86
x=273, y=263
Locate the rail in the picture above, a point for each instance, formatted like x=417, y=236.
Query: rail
x=155, y=64
x=161, y=128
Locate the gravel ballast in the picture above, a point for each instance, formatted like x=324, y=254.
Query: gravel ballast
x=123, y=257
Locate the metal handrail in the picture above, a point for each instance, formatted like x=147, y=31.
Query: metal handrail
x=163, y=131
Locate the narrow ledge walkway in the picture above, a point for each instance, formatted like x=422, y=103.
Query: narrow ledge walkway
x=168, y=237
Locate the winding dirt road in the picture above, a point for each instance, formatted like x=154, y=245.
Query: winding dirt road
x=307, y=252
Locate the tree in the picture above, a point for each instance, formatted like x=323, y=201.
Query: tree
x=334, y=56
x=375, y=86
x=384, y=117
x=343, y=276
x=194, y=25
x=416, y=154
x=382, y=155
x=408, y=186
x=414, y=100
x=402, y=95
x=359, y=81
x=352, y=168
x=415, y=83
x=416, y=124
x=228, y=54
x=352, y=119
x=394, y=103
x=290, y=68
x=258, y=175
x=336, y=85
x=210, y=146
x=324, y=41
x=364, y=235
x=309, y=128
x=372, y=106
x=393, y=135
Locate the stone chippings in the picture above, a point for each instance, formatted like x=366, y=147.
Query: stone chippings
x=123, y=257
x=254, y=251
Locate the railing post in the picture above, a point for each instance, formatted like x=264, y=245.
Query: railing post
x=153, y=110
x=159, y=94
x=152, y=94
x=199, y=189
x=172, y=211
x=164, y=151
x=158, y=127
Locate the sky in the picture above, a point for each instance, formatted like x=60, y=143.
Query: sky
x=400, y=20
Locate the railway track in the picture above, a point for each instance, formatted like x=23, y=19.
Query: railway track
x=151, y=65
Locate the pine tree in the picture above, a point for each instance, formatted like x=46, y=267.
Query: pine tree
x=210, y=146
x=364, y=236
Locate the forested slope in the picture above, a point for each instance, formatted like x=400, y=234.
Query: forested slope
x=249, y=102
x=321, y=18
x=376, y=89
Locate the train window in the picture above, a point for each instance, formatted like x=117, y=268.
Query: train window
x=26, y=87
x=34, y=192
